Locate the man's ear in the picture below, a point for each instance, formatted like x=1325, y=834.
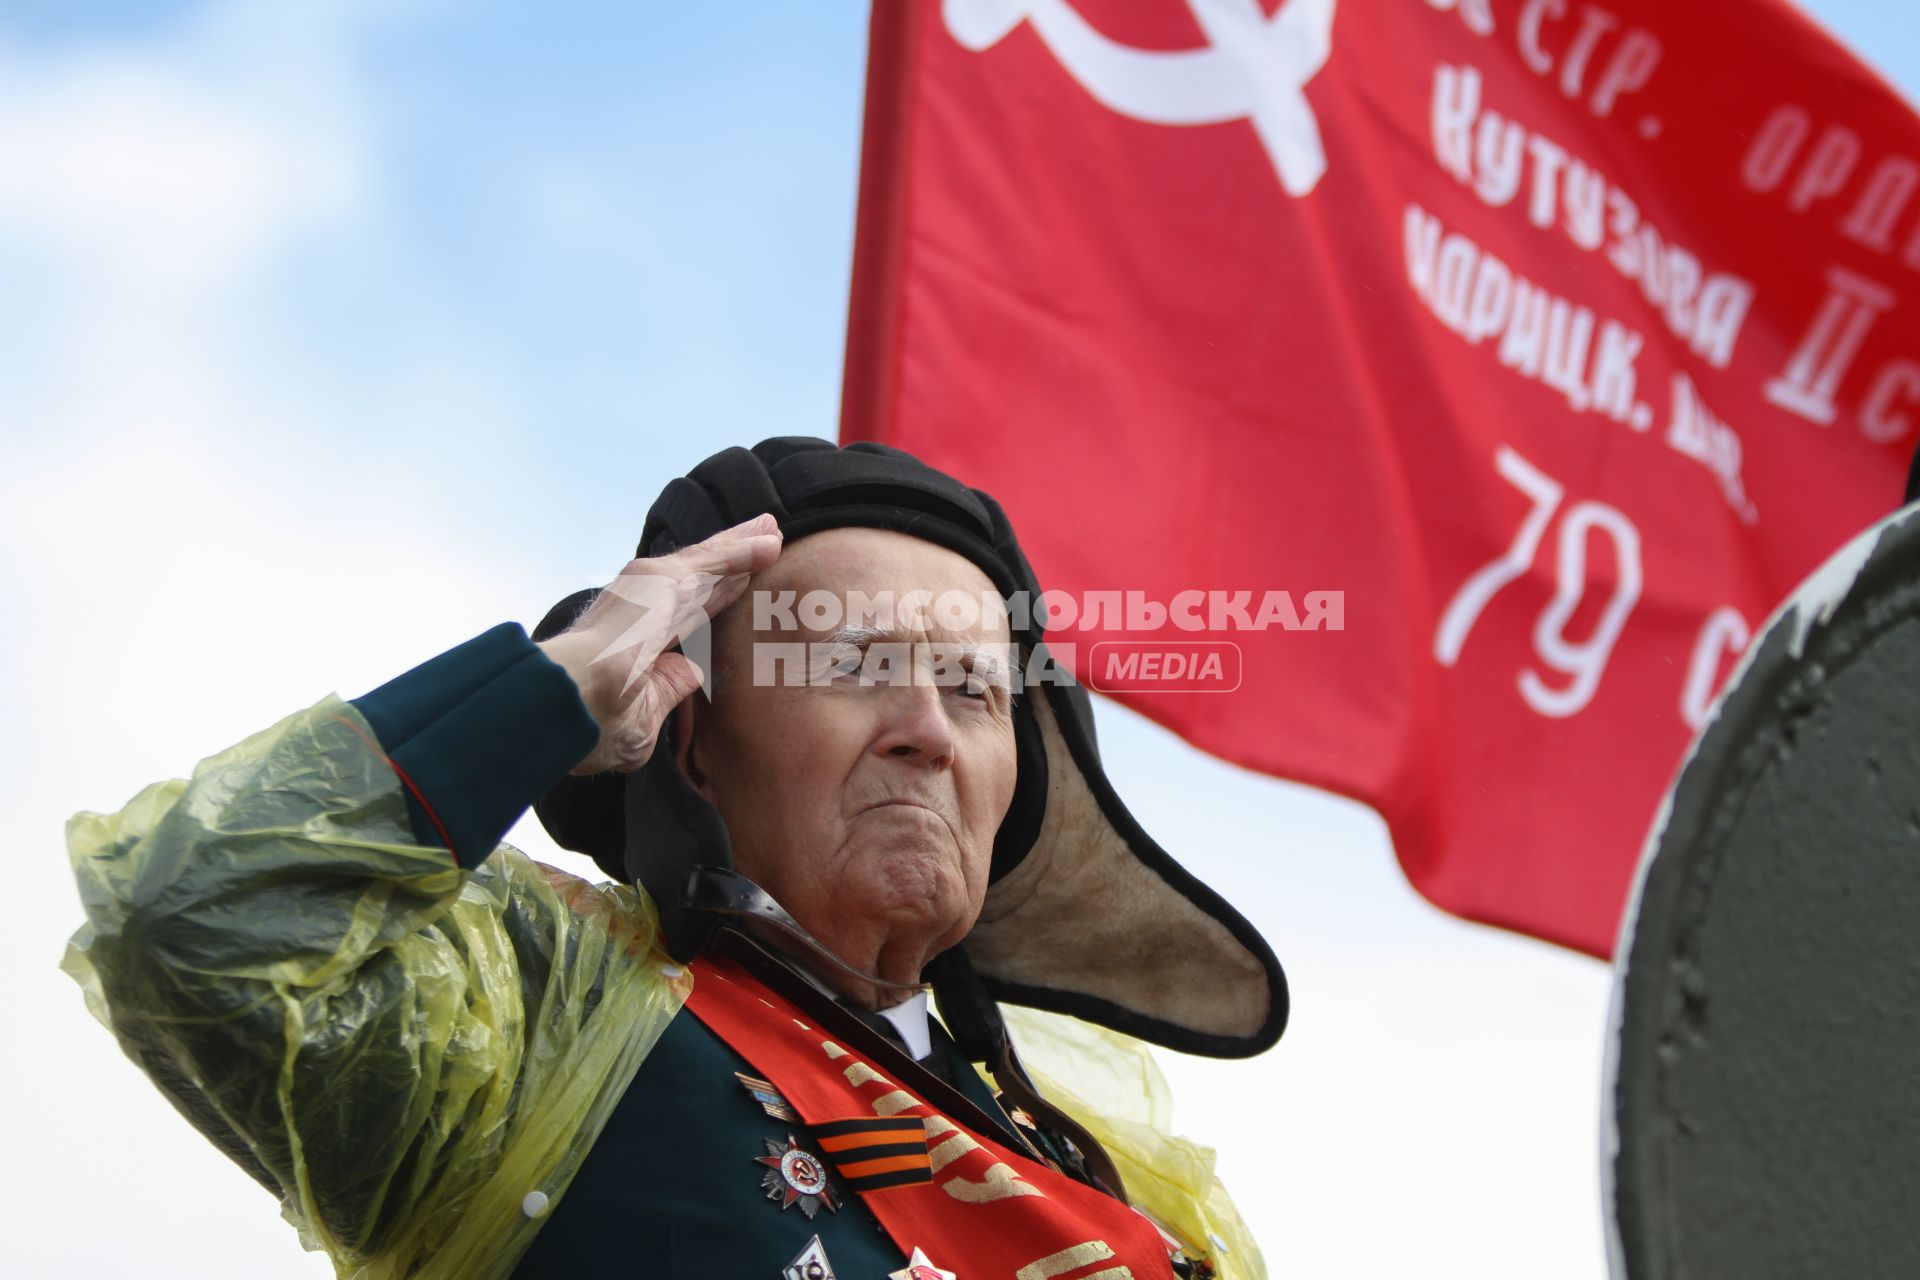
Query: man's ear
x=686, y=728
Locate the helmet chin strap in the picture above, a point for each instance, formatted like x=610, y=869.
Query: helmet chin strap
x=728, y=893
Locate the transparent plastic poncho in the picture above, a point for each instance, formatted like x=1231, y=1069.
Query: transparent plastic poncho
x=400, y=1050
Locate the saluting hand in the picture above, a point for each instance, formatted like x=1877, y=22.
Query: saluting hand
x=617, y=651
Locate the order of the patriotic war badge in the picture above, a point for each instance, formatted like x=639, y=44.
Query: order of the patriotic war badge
x=795, y=1175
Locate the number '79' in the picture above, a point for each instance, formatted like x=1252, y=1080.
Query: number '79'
x=1582, y=662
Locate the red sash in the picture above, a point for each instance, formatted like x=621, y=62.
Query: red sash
x=989, y=1211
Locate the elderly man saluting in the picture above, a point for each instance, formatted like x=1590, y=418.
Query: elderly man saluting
x=448, y=1060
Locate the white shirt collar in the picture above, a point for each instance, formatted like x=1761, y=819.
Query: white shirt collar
x=909, y=1017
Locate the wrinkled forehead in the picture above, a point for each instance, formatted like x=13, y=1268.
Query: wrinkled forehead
x=883, y=579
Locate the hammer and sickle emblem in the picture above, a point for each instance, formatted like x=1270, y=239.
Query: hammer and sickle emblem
x=1252, y=68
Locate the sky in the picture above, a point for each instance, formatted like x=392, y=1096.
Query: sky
x=333, y=334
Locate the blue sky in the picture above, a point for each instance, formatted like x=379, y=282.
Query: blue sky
x=331, y=335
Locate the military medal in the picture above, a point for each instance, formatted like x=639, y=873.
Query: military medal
x=920, y=1268
x=796, y=1175
x=810, y=1264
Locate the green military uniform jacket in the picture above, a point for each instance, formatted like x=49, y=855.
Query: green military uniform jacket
x=672, y=1187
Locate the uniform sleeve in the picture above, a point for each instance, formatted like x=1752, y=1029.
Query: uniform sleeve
x=476, y=735
x=399, y=1048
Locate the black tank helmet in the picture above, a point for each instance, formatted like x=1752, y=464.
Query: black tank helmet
x=1084, y=914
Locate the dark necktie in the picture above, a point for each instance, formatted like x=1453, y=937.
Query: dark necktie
x=935, y=1061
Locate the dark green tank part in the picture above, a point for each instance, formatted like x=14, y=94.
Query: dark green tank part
x=1765, y=1077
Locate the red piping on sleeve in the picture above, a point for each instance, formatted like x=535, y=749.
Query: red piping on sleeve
x=412, y=790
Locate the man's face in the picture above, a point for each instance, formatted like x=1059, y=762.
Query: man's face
x=865, y=800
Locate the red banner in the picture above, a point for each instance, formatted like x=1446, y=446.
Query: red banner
x=1425, y=399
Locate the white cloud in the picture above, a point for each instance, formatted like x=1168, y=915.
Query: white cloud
x=145, y=190
x=181, y=165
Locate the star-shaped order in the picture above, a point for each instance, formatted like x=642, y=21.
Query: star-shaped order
x=796, y=1176
x=919, y=1267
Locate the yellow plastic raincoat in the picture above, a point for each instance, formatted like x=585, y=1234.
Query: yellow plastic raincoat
x=399, y=1049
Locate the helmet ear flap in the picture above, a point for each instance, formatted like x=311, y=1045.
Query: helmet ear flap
x=668, y=832
x=679, y=725
x=1021, y=827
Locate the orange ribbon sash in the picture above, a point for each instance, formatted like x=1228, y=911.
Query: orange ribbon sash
x=986, y=1211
